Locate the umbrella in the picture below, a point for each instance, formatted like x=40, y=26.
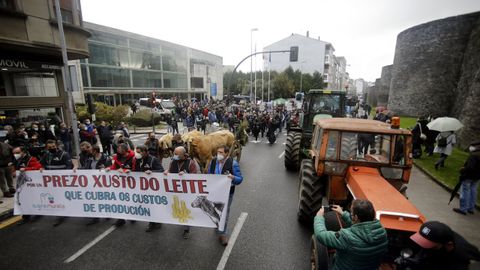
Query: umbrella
x=454, y=191
x=280, y=101
x=443, y=124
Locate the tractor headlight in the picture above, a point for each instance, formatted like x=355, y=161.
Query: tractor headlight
x=391, y=173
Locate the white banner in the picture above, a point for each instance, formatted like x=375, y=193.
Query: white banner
x=189, y=199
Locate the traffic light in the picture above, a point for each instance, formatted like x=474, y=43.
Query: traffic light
x=294, y=54
x=90, y=105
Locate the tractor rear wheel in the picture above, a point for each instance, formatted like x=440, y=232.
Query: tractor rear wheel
x=320, y=258
x=311, y=193
x=292, y=151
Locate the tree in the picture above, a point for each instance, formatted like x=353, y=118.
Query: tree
x=283, y=86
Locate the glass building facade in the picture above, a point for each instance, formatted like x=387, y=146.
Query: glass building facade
x=124, y=67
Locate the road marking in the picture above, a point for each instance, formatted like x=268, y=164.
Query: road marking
x=281, y=155
x=89, y=245
x=10, y=221
x=231, y=243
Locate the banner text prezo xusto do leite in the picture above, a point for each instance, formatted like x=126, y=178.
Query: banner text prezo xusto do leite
x=189, y=199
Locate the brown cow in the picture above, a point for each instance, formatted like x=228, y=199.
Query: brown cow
x=204, y=148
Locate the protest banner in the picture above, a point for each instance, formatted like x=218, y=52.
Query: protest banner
x=190, y=199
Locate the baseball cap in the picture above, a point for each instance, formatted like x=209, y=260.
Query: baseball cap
x=432, y=233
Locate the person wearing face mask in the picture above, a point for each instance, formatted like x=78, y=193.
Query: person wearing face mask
x=33, y=129
x=120, y=138
x=56, y=159
x=361, y=244
x=441, y=249
x=124, y=162
x=6, y=180
x=24, y=162
x=153, y=146
x=64, y=134
x=85, y=155
x=90, y=127
x=87, y=136
x=20, y=138
x=92, y=159
x=181, y=164
x=148, y=163
x=224, y=164
x=45, y=134
x=469, y=178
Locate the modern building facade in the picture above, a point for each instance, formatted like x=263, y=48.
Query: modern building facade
x=124, y=67
x=314, y=55
x=31, y=84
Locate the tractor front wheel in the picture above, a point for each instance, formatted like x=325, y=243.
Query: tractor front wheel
x=311, y=193
x=292, y=151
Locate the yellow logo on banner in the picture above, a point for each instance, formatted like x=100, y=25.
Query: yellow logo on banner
x=180, y=210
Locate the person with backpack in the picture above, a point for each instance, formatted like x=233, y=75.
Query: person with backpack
x=445, y=142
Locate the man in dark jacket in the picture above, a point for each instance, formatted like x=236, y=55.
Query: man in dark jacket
x=147, y=163
x=64, y=134
x=6, y=180
x=223, y=164
x=92, y=159
x=442, y=249
x=359, y=246
x=105, y=134
x=56, y=159
x=470, y=178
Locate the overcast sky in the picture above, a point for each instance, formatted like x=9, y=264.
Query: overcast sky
x=364, y=31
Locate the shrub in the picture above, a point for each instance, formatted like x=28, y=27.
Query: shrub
x=143, y=118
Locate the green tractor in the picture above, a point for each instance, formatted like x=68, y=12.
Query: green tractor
x=317, y=104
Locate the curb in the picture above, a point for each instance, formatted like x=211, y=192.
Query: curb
x=440, y=183
x=6, y=215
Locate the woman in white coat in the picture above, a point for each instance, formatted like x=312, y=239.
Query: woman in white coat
x=445, y=142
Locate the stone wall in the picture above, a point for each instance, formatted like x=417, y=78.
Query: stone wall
x=384, y=86
x=436, y=72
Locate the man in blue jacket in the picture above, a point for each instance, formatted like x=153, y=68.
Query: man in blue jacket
x=223, y=164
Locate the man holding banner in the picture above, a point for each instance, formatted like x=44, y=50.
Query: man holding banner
x=56, y=159
x=147, y=163
x=223, y=164
x=182, y=164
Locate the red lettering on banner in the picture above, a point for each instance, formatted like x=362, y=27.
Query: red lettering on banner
x=165, y=183
x=56, y=181
x=201, y=185
x=96, y=178
x=46, y=179
x=131, y=182
x=143, y=183
x=82, y=179
x=154, y=184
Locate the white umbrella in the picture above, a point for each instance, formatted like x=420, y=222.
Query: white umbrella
x=443, y=124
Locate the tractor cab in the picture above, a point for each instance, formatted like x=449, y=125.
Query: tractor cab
x=317, y=104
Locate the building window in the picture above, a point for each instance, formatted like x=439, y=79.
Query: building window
x=174, y=81
x=196, y=82
x=108, y=38
x=109, y=77
x=84, y=75
x=145, y=60
x=147, y=79
x=28, y=84
x=7, y=4
x=105, y=55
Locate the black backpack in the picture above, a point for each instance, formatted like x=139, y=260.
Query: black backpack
x=442, y=142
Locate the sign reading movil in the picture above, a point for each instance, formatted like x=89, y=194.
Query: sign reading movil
x=9, y=63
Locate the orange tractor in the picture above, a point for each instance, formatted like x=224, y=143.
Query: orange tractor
x=360, y=159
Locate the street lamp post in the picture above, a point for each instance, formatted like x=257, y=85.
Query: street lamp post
x=251, y=60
